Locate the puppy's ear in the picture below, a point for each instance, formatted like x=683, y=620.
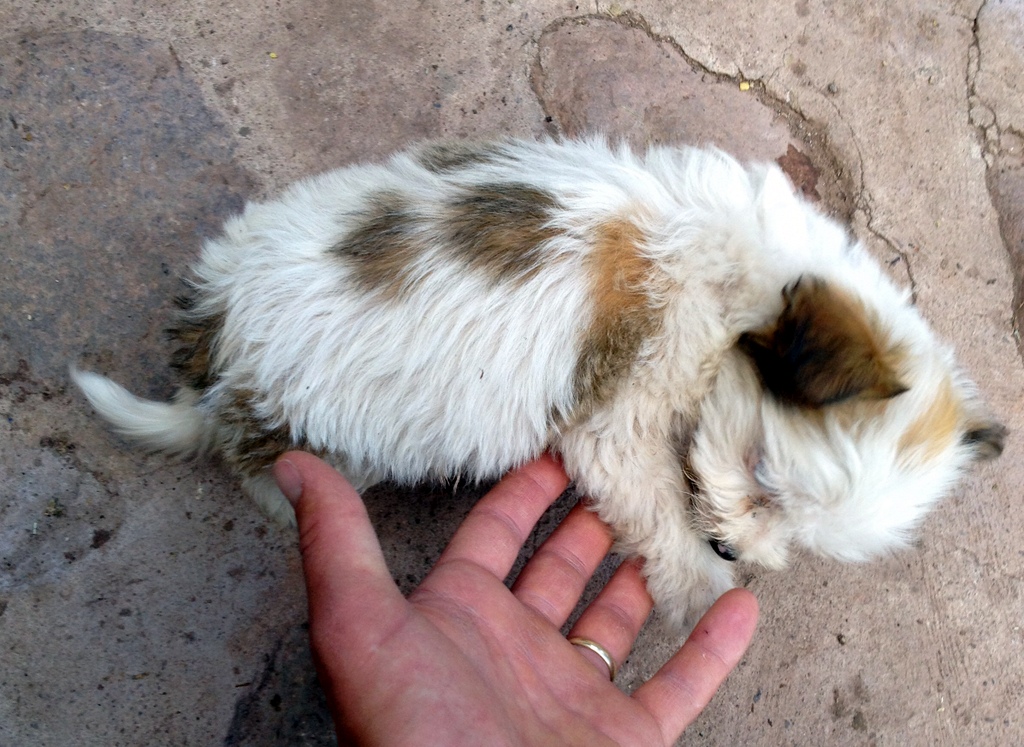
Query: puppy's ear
x=822, y=349
x=779, y=210
x=985, y=437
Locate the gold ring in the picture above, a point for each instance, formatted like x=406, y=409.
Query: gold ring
x=601, y=651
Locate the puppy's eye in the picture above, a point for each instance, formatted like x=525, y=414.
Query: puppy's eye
x=722, y=550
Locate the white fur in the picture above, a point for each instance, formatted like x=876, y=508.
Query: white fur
x=462, y=372
x=173, y=428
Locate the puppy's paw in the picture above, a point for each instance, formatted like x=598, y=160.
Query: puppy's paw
x=682, y=595
x=262, y=489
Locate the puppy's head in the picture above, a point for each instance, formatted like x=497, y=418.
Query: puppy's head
x=835, y=427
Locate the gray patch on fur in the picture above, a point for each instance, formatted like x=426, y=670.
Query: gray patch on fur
x=248, y=442
x=451, y=155
x=196, y=335
x=500, y=229
x=496, y=229
x=382, y=247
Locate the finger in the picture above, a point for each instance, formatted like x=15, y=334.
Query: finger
x=682, y=688
x=341, y=558
x=498, y=525
x=615, y=617
x=554, y=578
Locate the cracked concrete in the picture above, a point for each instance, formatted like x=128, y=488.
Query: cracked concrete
x=996, y=108
x=146, y=602
x=615, y=76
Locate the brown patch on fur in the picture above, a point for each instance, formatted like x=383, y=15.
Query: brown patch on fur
x=935, y=429
x=450, y=155
x=383, y=247
x=823, y=349
x=196, y=336
x=625, y=312
x=251, y=444
x=852, y=415
x=756, y=501
x=499, y=229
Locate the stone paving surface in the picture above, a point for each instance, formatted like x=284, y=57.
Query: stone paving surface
x=147, y=602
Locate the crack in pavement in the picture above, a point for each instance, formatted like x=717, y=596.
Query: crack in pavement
x=811, y=133
x=980, y=115
x=1003, y=171
x=864, y=204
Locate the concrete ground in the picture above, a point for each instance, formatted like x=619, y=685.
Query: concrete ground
x=145, y=602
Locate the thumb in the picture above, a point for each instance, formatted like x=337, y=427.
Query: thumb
x=349, y=586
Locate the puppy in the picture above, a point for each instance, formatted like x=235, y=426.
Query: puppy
x=724, y=372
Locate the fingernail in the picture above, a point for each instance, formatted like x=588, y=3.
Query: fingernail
x=288, y=480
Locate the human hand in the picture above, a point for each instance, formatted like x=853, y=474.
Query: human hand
x=466, y=660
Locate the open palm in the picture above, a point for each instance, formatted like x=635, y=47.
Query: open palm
x=466, y=660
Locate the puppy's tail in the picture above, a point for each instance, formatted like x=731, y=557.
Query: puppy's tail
x=177, y=427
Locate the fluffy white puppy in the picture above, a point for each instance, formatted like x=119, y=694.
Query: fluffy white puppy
x=723, y=371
